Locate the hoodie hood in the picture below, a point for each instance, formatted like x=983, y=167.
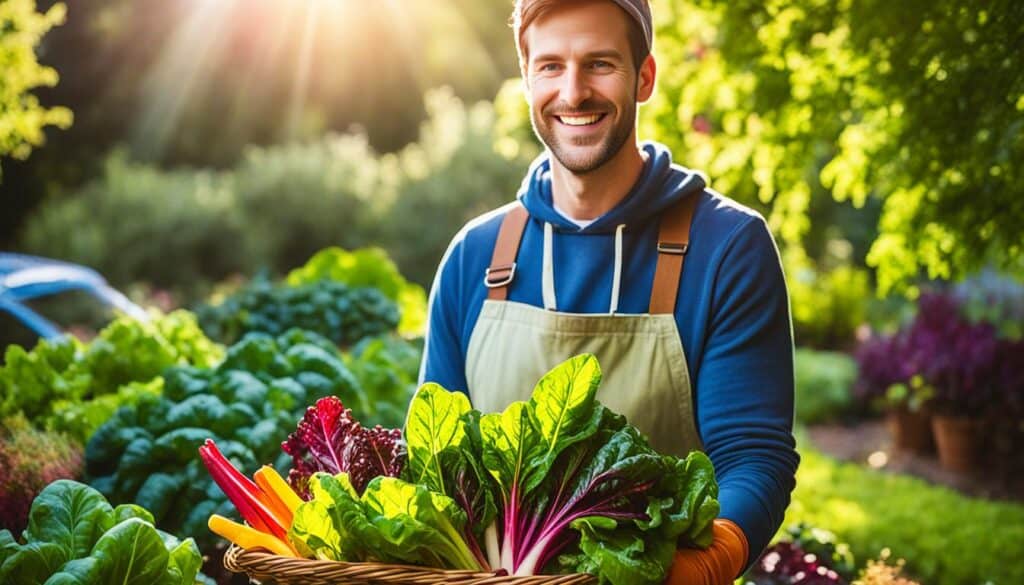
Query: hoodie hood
x=660, y=185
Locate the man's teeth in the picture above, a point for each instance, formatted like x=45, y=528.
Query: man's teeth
x=580, y=120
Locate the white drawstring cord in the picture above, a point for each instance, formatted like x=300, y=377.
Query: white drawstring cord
x=617, y=274
x=548, y=272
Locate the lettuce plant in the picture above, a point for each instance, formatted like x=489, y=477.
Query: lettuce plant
x=75, y=536
x=330, y=439
x=71, y=387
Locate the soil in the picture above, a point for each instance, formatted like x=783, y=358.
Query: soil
x=869, y=443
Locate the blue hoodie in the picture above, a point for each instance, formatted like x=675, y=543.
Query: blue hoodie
x=732, y=314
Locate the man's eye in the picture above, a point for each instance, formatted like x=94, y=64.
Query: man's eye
x=549, y=67
x=601, y=65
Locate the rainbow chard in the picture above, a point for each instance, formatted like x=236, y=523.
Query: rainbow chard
x=577, y=489
x=255, y=506
x=443, y=433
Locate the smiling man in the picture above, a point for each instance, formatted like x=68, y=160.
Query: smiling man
x=590, y=258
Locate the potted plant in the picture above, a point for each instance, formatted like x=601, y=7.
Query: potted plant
x=957, y=360
x=886, y=380
x=909, y=416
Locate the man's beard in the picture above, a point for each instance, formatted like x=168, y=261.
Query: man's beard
x=563, y=149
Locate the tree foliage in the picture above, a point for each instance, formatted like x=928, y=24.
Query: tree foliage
x=919, y=104
x=22, y=118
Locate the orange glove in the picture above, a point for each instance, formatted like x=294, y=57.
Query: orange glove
x=720, y=564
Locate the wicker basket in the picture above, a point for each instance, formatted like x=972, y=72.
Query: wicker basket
x=269, y=569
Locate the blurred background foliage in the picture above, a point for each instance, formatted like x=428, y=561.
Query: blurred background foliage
x=196, y=152
x=245, y=137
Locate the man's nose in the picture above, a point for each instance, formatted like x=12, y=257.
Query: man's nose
x=575, y=89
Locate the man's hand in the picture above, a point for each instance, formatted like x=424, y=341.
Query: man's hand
x=718, y=565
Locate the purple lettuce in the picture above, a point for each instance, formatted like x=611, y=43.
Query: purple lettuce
x=329, y=439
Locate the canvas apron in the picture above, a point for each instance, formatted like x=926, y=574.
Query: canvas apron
x=644, y=371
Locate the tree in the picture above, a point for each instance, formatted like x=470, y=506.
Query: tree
x=22, y=119
x=918, y=103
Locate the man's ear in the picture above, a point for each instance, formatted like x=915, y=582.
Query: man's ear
x=645, y=79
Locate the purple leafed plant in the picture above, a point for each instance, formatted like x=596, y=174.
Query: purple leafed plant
x=966, y=363
x=329, y=439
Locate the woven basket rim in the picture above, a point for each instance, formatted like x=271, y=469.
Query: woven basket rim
x=261, y=564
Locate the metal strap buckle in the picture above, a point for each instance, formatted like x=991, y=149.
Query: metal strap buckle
x=511, y=268
x=670, y=248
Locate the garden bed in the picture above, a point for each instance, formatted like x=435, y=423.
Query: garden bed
x=870, y=443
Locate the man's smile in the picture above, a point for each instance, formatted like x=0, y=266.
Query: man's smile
x=580, y=119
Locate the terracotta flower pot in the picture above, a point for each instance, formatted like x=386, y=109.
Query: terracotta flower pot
x=957, y=441
x=911, y=430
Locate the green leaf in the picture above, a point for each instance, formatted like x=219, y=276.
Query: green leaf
x=332, y=525
x=417, y=525
x=693, y=481
x=8, y=545
x=623, y=555
x=33, y=563
x=69, y=514
x=184, y=563
x=435, y=428
x=130, y=553
x=512, y=448
x=159, y=493
x=126, y=511
x=562, y=408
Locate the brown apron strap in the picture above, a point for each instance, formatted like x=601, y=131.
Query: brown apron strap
x=673, y=243
x=503, y=262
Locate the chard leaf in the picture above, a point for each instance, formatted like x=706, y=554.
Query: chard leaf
x=333, y=526
x=691, y=483
x=417, y=525
x=435, y=430
x=71, y=515
x=623, y=555
x=562, y=408
x=314, y=530
x=512, y=449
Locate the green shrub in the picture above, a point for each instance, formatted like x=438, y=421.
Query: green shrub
x=138, y=223
x=368, y=267
x=946, y=538
x=180, y=229
x=453, y=174
x=329, y=308
x=297, y=199
x=823, y=385
x=828, y=305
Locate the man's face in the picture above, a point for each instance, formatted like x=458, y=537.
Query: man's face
x=582, y=84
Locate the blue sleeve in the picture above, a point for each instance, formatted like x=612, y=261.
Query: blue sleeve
x=443, y=359
x=745, y=387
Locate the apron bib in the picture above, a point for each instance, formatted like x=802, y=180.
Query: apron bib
x=643, y=366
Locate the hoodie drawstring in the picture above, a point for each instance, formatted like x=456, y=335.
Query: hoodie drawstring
x=617, y=274
x=548, y=276
x=548, y=271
